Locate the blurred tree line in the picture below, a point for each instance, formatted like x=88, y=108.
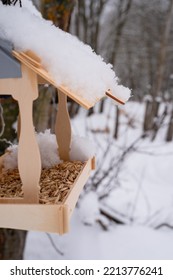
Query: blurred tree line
x=135, y=37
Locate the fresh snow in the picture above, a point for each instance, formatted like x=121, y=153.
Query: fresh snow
x=81, y=149
x=70, y=62
x=121, y=242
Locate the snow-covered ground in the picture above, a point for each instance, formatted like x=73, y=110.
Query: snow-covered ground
x=92, y=243
x=141, y=195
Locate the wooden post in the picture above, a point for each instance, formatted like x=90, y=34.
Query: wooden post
x=25, y=90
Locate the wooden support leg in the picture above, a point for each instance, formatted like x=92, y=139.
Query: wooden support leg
x=63, y=127
x=29, y=162
x=28, y=155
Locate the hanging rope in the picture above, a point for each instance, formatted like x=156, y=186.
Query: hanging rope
x=2, y=123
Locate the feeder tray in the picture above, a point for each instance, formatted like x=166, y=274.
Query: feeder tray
x=55, y=182
x=29, y=213
x=58, y=196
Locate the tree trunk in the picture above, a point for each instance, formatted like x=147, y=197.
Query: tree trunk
x=169, y=135
x=147, y=116
x=12, y=244
x=117, y=123
x=159, y=121
x=73, y=109
x=102, y=106
x=156, y=91
x=58, y=11
x=163, y=51
x=90, y=111
x=41, y=109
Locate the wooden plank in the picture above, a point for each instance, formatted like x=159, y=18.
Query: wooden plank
x=34, y=217
x=41, y=80
x=109, y=94
x=32, y=59
x=6, y=200
x=93, y=163
x=25, y=90
x=29, y=162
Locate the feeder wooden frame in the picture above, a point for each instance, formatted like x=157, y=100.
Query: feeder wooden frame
x=26, y=213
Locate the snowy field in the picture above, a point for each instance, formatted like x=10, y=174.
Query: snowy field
x=140, y=197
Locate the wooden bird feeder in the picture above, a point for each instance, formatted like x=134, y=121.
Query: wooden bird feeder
x=20, y=79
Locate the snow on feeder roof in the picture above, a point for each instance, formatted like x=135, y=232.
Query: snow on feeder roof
x=41, y=50
x=62, y=60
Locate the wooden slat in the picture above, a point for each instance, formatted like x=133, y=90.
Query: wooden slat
x=32, y=58
x=93, y=163
x=34, y=217
x=35, y=61
x=25, y=90
x=79, y=183
x=29, y=162
x=6, y=200
x=109, y=94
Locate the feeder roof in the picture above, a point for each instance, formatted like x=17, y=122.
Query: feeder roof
x=58, y=57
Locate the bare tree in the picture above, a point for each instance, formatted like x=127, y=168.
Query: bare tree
x=118, y=21
x=153, y=120
x=121, y=12
x=163, y=51
x=87, y=21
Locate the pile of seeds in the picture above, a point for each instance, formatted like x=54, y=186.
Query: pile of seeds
x=55, y=182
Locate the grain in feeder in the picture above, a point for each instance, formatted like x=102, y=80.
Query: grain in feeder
x=31, y=53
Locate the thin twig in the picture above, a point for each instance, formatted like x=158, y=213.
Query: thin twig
x=118, y=163
x=54, y=245
x=164, y=225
